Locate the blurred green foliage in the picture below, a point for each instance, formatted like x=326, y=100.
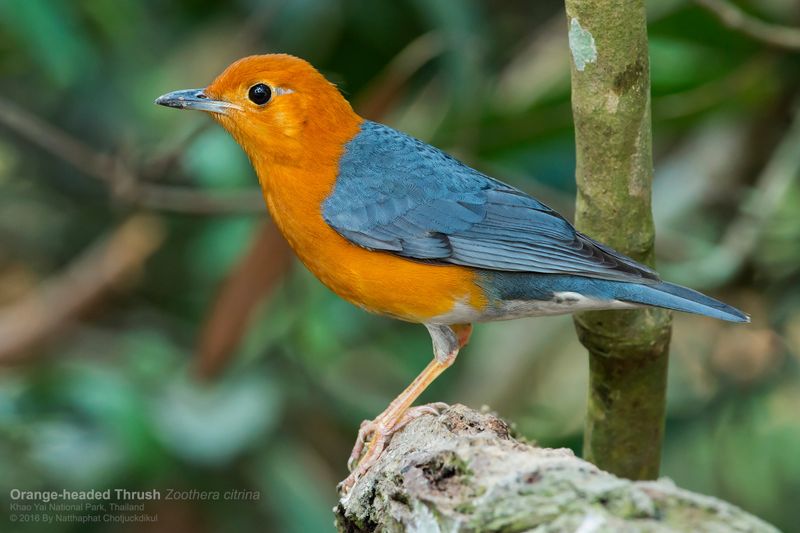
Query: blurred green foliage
x=111, y=401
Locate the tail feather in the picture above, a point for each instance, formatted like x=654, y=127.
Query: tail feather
x=678, y=298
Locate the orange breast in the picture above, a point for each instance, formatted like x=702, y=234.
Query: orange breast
x=377, y=281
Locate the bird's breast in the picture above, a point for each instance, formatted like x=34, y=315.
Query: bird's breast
x=376, y=281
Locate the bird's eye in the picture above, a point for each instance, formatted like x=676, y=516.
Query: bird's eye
x=259, y=93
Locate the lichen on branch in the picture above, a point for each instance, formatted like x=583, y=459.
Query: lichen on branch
x=464, y=471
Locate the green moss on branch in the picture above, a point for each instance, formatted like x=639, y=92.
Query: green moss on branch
x=463, y=471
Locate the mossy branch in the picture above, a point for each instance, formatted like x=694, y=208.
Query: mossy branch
x=628, y=350
x=463, y=471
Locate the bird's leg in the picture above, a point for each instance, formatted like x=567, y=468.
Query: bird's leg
x=463, y=333
x=447, y=341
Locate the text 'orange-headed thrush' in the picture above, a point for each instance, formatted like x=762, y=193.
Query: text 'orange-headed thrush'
x=402, y=229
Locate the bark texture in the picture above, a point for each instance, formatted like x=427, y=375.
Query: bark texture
x=628, y=350
x=463, y=471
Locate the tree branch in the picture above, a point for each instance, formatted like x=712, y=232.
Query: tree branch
x=463, y=471
x=736, y=19
x=628, y=350
x=56, y=302
x=255, y=275
x=123, y=183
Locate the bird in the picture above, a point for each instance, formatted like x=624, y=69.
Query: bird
x=402, y=229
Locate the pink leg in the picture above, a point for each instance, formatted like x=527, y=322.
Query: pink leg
x=377, y=432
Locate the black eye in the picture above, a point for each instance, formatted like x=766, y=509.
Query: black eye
x=259, y=94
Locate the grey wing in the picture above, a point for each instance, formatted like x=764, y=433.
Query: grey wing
x=399, y=195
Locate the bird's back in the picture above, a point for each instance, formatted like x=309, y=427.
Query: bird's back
x=399, y=195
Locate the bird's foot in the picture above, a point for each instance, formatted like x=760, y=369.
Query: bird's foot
x=375, y=436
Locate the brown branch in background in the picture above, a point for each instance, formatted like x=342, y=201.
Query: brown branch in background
x=382, y=93
x=736, y=19
x=123, y=183
x=255, y=276
x=161, y=164
x=29, y=323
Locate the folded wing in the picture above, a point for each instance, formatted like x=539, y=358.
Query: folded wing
x=397, y=194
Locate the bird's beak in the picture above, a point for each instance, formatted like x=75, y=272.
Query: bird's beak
x=195, y=99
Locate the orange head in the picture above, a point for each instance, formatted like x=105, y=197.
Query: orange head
x=278, y=107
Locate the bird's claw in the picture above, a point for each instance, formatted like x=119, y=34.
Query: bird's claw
x=375, y=435
x=369, y=429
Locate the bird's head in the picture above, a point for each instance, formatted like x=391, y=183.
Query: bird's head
x=278, y=107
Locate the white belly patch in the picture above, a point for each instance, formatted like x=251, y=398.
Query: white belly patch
x=561, y=303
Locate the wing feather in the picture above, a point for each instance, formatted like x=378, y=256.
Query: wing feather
x=397, y=194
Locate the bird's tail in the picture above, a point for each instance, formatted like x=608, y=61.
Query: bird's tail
x=678, y=298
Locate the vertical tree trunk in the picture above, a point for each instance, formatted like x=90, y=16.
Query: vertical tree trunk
x=628, y=350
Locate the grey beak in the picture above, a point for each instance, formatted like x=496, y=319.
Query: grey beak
x=194, y=99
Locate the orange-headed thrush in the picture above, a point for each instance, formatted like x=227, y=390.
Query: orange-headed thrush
x=402, y=229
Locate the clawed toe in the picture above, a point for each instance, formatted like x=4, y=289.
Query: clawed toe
x=366, y=432
x=375, y=435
